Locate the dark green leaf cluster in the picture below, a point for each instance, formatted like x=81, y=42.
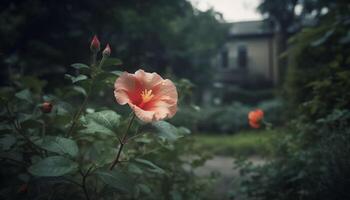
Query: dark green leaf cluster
x=69, y=146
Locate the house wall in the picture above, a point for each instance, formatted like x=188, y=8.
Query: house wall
x=259, y=58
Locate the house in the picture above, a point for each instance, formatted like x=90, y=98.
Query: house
x=247, y=60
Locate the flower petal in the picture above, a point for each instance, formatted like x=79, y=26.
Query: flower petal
x=143, y=115
x=161, y=105
x=163, y=109
x=166, y=91
x=127, y=89
x=253, y=124
x=121, y=96
x=148, y=80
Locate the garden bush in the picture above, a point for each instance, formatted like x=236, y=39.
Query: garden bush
x=57, y=145
x=233, y=118
x=313, y=160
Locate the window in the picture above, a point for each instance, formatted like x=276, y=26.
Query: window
x=224, y=59
x=242, y=56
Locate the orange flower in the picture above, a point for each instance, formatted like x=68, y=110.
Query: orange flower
x=255, y=118
x=150, y=96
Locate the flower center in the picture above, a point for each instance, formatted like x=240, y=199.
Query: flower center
x=146, y=96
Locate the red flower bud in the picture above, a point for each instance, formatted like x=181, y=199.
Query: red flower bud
x=95, y=45
x=46, y=107
x=107, y=51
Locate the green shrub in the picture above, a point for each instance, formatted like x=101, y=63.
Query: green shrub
x=313, y=161
x=274, y=111
x=57, y=145
x=228, y=118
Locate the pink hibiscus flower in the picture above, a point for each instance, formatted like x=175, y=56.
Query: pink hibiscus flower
x=150, y=96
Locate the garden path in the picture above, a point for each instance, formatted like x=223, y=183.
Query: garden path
x=229, y=174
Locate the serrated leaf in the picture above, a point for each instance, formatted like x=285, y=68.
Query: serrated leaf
x=7, y=141
x=151, y=166
x=25, y=95
x=117, y=180
x=79, y=66
x=166, y=130
x=75, y=79
x=53, y=166
x=105, y=122
x=59, y=145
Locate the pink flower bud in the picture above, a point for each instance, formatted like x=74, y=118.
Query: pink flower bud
x=107, y=51
x=95, y=44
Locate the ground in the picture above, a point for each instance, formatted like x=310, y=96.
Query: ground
x=256, y=146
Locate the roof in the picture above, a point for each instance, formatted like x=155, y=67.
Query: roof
x=250, y=28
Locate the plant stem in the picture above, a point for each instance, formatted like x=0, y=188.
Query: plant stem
x=83, y=105
x=94, y=59
x=18, y=129
x=122, y=142
x=83, y=185
x=84, y=188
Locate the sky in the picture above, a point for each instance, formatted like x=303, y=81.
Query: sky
x=232, y=10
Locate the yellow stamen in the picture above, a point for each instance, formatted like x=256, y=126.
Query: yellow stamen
x=146, y=96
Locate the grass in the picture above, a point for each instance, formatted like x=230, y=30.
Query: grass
x=245, y=143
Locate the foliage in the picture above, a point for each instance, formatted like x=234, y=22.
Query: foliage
x=229, y=118
x=313, y=160
x=64, y=151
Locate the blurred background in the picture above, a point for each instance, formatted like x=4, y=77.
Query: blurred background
x=289, y=58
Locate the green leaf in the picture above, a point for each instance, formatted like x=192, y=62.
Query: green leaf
x=5, y=126
x=323, y=39
x=183, y=131
x=25, y=95
x=151, y=166
x=166, y=130
x=59, y=145
x=7, y=141
x=22, y=117
x=105, y=122
x=53, y=166
x=112, y=62
x=101, y=152
x=117, y=180
x=79, y=66
x=116, y=72
x=133, y=168
x=78, y=78
x=144, y=188
x=80, y=90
